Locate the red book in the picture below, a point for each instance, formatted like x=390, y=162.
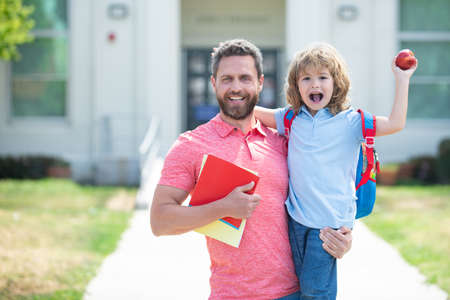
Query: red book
x=217, y=179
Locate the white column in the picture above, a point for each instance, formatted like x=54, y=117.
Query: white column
x=306, y=22
x=164, y=65
x=385, y=47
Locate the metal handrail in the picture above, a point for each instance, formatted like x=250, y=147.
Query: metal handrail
x=149, y=136
x=149, y=163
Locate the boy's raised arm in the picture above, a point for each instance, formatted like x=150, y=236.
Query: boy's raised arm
x=266, y=116
x=397, y=119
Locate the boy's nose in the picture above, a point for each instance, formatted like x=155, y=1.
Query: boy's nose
x=315, y=83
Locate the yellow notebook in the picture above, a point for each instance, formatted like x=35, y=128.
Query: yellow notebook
x=216, y=180
x=222, y=232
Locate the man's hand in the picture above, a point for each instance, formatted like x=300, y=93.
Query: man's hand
x=240, y=205
x=336, y=242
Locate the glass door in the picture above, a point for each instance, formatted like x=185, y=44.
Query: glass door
x=200, y=98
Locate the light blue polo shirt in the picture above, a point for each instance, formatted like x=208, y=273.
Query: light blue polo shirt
x=322, y=160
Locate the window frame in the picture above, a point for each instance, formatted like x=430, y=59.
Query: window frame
x=189, y=121
x=51, y=120
x=423, y=36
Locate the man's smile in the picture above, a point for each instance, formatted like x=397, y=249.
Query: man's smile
x=236, y=98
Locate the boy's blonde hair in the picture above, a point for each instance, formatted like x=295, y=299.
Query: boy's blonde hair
x=318, y=56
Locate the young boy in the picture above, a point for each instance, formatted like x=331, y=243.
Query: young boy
x=323, y=153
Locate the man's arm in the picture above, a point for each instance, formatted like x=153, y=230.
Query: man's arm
x=266, y=116
x=168, y=216
x=397, y=118
x=336, y=242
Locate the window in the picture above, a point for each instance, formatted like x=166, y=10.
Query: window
x=39, y=79
x=425, y=29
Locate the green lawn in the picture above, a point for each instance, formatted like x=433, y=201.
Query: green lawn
x=416, y=220
x=54, y=235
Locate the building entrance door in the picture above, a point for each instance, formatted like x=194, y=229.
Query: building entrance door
x=199, y=94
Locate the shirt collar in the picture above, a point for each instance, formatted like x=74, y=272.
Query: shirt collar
x=224, y=129
x=259, y=128
x=323, y=113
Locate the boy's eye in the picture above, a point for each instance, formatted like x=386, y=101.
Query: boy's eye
x=323, y=77
x=305, y=78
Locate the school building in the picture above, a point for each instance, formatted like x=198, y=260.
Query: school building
x=100, y=72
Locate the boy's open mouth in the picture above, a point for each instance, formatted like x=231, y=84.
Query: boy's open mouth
x=316, y=97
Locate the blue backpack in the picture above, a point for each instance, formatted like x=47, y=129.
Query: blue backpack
x=368, y=164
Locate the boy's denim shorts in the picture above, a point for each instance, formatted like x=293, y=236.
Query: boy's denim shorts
x=315, y=268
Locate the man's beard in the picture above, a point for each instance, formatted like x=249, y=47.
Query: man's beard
x=238, y=112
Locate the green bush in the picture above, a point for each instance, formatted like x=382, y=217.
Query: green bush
x=425, y=169
x=443, y=161
x=27, y=167
x=419, y=170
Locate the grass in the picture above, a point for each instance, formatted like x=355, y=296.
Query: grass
x=54, y=235
x=416, y=220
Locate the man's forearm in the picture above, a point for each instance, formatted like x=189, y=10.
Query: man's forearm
x=168, y=216
x=172, y=218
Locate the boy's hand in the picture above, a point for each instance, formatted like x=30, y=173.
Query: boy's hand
x=400, y=74
x=397, y=119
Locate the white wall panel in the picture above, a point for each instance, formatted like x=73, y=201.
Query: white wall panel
x=205, y=23
x=163, y=47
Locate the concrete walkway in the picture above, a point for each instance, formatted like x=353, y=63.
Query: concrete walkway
x=146, y=267
x=385, y=276
x=177, y=267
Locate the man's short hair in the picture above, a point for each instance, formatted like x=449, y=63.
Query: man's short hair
x=236, y=47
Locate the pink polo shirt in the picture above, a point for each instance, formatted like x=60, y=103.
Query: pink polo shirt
x=262, y=267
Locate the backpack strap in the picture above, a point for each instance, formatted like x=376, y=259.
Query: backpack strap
x=369, y=131
x=289, y=117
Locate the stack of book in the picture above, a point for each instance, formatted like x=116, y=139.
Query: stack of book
x=217, y=179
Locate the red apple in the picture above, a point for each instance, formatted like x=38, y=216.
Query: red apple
x=405, y=59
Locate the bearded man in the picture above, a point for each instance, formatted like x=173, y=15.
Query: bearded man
x=262, y=267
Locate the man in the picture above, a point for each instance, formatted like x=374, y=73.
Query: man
x=262, y=267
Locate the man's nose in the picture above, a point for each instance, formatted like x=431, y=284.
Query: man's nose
x=236, y=86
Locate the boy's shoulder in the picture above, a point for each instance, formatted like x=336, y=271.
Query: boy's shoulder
x=351, y=115
x=348, y=112
x=351, y=111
